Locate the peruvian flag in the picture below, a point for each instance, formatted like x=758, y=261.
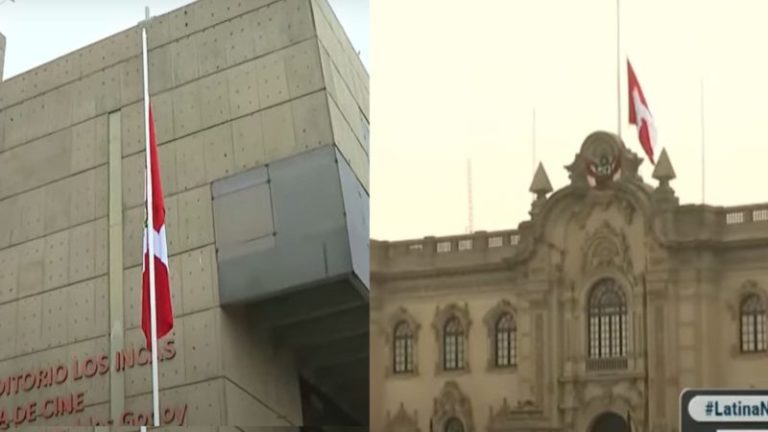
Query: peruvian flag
x=640, y=115
x=162, y=281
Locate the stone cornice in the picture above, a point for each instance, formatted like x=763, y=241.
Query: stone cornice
x=437, y=272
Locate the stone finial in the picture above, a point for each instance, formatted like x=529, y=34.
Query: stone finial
x=664, y=171
x=540, y=184
x=664, y=195
x=541, y=187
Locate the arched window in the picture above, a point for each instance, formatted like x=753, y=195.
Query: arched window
x=454, y=425
x=453, y=344
x=607, y=321
x=753, y=324
x=506, y=349
x=403, y=348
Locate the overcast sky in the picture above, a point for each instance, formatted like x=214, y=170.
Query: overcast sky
x=39, y=31
x=456, y=82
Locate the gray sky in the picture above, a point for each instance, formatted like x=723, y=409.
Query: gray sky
x=39, y=31
x=462, y=82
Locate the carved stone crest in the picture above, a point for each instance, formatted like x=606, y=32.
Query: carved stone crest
x=606, y=247
x=603, y=170
x=602, y=160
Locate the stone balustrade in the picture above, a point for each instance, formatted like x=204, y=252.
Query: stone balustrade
x=750, y=214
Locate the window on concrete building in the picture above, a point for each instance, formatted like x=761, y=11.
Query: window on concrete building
x=753, y=324
x=506, y=349
x=607, y=314
x=403, y=348
x=453, y=344
x=454, y=425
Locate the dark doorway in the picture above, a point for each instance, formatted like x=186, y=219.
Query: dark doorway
x=609, y=422
x=318, y=409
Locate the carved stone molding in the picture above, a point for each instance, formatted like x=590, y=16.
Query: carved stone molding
x=442, y=315
x=607, y=247
x=506, y=416
x=402, y=421
x=401, y=315
x=604, y=201
x=452, y=403
x=490, y=320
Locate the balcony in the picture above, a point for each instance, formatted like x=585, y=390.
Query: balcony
x=606, y=364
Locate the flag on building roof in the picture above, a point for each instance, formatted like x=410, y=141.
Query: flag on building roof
x=640, y=115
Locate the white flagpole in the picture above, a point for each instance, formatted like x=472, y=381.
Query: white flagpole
x=618, y=66
x=533, y=146
x=533, y=143
x=703, y=154
x=150, y=232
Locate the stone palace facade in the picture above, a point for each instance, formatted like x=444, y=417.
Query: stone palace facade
x=592, y=315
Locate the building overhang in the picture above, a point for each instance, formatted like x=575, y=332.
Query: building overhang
x=292, y=250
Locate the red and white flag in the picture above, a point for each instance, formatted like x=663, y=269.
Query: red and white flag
x=164, y=307
x=640, y=115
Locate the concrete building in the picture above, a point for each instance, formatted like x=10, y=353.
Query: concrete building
x=594, y=313
x=261, y=108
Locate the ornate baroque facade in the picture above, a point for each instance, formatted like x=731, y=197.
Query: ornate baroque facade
x=594, y=313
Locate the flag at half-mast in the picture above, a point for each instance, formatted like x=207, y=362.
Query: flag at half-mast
x=640, y=115
x=162, y=275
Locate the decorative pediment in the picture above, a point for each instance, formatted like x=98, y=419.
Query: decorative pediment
x=401, y=315
x=747, y=288
x=606, y=247
x=492, y=316
x=402, y=421
x=751, y=287
x=442, y=314
x=452, y=403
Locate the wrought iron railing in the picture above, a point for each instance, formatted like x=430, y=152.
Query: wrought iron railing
x=606, y=364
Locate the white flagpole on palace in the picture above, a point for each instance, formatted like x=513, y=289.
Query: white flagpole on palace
x=618, y=66
x=533, y=147
x=533, y=142
x=703, y=154
x=150, y=231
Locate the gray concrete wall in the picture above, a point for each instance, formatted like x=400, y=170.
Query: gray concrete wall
x=234, y=85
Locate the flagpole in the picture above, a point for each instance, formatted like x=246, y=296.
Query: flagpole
x=533, y=143
x=533, y=146
x=618, y=66
x=703, y=154
x=150, y=231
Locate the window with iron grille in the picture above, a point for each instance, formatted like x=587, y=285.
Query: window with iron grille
x=753, y=324
x=607, y=317
x=403, y=348
x=453, y=345
x=506, y=349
